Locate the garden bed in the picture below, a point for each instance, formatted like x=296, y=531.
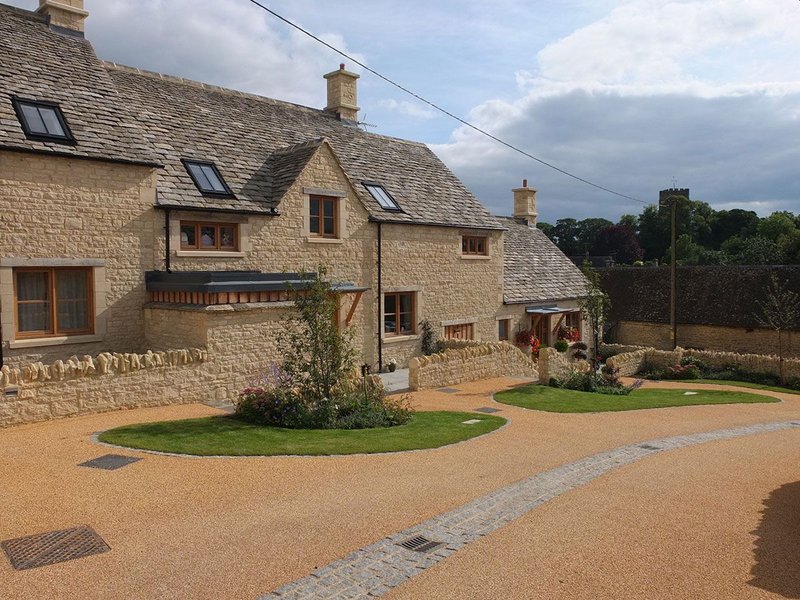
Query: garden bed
x=228, y=436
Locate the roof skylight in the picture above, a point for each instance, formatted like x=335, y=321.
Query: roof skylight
x=42, y=120
x=382, y=197
x=207, y=178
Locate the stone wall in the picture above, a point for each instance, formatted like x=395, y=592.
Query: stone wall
x=708, y=337
x=58, y=211
x=38, y=391
x=555, y=364
x=454, y=366
x=631, y=363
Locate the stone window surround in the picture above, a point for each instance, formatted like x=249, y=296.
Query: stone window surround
x=341, y=215
x=175, y=218
x=475, y=233
x=418, y=311
x=7, y=266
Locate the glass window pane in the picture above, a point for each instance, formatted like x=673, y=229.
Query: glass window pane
x=329, y=208
x=202, y=181
x=72, y=300
x=405, y=324
x=188, y=235
x=314, y=204
x=33, y=285
x=330, y=229
x=463, y=245
x=314, y=225
x=227, y=237
x=72, y=285
x=208, y=237
x=33, y=317
x=51, y=122
x=389, y=304
x=390, y=324
x=480, y=246
x=406, y=302
x=33, y=119
x=213, y=178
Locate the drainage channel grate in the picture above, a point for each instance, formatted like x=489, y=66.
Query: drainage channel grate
x=53, y=547
x=649, y=447
x=110, y=462
x=487, y=409
x=448, y=390
x=420, y=543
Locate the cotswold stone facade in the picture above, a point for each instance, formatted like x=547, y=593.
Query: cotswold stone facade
x=155, y=213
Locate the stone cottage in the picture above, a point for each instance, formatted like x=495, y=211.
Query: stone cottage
x=143, y=211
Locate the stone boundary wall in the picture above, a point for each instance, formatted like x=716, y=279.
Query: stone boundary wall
x=630, y=363
x=469, y=363
x=108, y=381
x=553, y=363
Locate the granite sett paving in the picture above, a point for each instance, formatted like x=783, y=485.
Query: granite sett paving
x=374, y=570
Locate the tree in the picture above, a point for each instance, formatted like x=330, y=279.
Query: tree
x=755, y=250
x=588, y=230
x=728, y=223
x=618, y=241
x=546, y=228
x=630, y=221
x=565, y=235
x=594, y=306
x=780, y=310
x=776, y=225
x=317, y=355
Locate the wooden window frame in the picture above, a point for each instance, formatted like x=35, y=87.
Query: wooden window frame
x=54, y=331
x=334, y=201
x=396, y=332
x=217, y=237
x=474, y=245
x=508, y=330
x=468, y=328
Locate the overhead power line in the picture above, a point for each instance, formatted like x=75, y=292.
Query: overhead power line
x=443, y=110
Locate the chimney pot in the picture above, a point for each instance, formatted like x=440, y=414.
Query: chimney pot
x=524, y=183
x=341, y=66
x=66, y=14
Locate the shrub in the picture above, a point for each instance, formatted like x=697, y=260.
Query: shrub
x=428, y=338
x=561, y=345
x=681, y=372
x=580, y=381
x=272, y=406
x=693, y=361
x=580, y=355
x=369, y=408
x=580, y=346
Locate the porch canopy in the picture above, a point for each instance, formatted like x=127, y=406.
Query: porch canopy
x=548, y=310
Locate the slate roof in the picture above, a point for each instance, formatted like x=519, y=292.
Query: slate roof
x=38, y=64
x=535, y=270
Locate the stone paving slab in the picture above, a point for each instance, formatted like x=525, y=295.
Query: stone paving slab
x=373, y=570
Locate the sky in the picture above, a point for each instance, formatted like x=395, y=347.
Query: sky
x=633, y=95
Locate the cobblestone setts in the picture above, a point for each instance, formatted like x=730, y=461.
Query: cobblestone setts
x=375, y=569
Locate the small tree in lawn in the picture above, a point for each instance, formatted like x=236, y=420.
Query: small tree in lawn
x=594, y=307
x=318, y=356
x=779, y=310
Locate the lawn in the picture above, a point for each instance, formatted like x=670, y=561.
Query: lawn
x=225, y=435
x=747, y=384
x=540, y=397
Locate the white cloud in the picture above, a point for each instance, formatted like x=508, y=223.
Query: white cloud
x=408, y=108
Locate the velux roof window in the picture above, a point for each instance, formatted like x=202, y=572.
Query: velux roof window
x=207, y=178
x=383, y=198
x=42, y=121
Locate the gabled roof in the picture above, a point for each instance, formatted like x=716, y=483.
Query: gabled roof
x=535, y=270
x=124, y=113
x=38, y=64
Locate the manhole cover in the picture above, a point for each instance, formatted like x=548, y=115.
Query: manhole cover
x=487, y=409
x=448, y=390
x=53, y=547
x=649, y=447
x=109, y=462
x=420, y=543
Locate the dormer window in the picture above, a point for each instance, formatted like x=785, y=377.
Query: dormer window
x=207, y=178
x=42, y=121
x=381, y=196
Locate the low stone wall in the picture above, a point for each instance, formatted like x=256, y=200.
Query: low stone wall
x=554, y=364
x=469, y=363
x=108, y=381
x=631, y=363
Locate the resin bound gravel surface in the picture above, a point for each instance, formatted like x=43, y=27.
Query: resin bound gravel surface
x=241, y=527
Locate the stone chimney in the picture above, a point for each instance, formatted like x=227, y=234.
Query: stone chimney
x=66, y=14
x=342, y=99
x=525, y=204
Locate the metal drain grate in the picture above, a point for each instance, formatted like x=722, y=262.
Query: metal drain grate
x=487, y=409
x=448, y=390
x=53, y=547
x=420, y=543
x=110, y=462
x=649, y=447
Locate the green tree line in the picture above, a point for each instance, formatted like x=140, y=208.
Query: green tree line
x=704, y=236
